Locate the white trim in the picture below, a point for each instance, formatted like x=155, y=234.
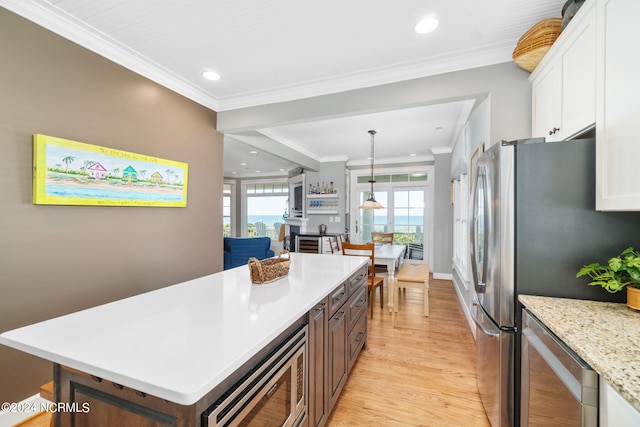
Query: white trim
x=243, y=196
x=443, y=276
x=52, y=18
x=232, y=210
x=441, y=150
x=374, y=77
x=392, y=160
x=465, y=310
x=429, y=196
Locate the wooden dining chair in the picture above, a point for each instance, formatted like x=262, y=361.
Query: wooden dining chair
x=373, y=281
x=384, y=238
x=333, y=244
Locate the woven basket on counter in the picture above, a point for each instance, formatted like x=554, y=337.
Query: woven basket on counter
x=535, y=43
x=270, y=269
x=633, y=298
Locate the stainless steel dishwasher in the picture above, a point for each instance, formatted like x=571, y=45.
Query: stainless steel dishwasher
x=558, y=387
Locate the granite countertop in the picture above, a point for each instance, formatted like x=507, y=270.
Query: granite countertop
x=180, y=342
x=606, y=335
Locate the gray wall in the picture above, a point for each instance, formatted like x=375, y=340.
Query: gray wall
x=506, y=85
x=329, y=171
x=503, y=89
x=59, y=259
x=478, y=125
x=443, y=217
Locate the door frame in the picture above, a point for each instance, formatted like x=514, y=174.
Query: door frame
x=429, y=211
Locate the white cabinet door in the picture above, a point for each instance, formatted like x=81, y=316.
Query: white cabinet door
x=547, y=102
x=564, y=86
x=579, y=76
x=618, y=109
x=615, y=410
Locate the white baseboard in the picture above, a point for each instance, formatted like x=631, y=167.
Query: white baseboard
x=465, y=310
x=443, y=276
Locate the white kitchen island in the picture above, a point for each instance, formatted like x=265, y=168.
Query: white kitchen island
x=180, y=342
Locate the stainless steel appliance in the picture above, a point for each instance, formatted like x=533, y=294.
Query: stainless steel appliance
x=533, y=225
x=314, y=243
x=272, y=393
x=559, y=389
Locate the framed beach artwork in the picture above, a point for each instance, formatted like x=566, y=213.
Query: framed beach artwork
x=74, y=173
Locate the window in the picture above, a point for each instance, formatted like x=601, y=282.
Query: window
x=408, y=216
x=265, y=202
x=405, y=194
x=228, y=209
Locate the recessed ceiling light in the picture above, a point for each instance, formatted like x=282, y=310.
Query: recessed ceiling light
x=210, y=75
x=438, y=129
x=412, y=155
x=428, y=24
x=281, y=170
x=243, y=164
x=257, y=171
x=253, y=152
x=234, y=172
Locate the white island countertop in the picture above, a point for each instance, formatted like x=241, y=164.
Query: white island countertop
x=179, y=342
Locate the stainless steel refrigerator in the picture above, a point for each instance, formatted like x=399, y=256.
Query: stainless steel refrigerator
x=533, y=225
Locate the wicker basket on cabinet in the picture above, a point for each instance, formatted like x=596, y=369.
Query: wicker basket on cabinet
x=535, y=43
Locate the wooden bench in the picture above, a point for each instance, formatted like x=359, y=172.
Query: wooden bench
x=410, y=276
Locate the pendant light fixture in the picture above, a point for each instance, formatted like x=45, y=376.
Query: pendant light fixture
x=371, y=202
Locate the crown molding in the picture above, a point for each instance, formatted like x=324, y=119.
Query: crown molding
x=276, y=136
x=373, y=77
x=50, y=18
x=404, y=160
x=337, y=158
x=441, y=150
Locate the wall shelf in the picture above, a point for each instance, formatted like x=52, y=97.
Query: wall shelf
x=323, y=212
x=322, y=196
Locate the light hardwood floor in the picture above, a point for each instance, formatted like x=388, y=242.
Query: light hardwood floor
x=415, y=370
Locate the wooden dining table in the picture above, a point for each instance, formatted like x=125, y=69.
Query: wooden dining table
x=389, y=255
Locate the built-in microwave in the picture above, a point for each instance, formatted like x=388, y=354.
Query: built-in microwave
x=273, y=393
x=298, y=200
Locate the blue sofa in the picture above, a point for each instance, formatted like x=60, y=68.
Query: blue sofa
x=238, y=250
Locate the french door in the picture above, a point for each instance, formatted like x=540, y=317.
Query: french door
x=404, y=215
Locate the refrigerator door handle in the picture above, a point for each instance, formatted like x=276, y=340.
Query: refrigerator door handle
x=479, y=323
x=479, y=278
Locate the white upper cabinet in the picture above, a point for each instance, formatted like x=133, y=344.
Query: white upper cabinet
x=547, y=103
x=564, y=84
x=618, y=109
x=579, y=75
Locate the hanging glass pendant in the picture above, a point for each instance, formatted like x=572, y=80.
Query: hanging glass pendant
x=371, y=202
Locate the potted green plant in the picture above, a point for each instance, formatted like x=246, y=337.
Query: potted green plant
x=622, y=271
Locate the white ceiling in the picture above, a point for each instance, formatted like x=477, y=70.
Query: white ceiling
x=279, y=50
